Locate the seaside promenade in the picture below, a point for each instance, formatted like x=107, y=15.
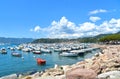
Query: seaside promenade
x=103, y=65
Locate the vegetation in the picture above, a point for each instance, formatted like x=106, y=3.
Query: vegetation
x=48, y=40
x=113, y=38
x=104, y=38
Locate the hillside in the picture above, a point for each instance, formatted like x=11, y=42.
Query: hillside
x=85, y=39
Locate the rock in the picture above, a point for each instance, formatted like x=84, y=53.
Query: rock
x=37, y=74
x=45, y=74
x=65, y=68
x=20, y=76
x=60, y=77
x=13, y=76
x=96, y=66
x=28, y=77
x=56, y=66
x=79, y=73
x=53, y=72
x=97, y=54
x=109, y=75
x=46, y=77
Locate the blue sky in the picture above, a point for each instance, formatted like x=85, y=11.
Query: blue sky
x=58, y=18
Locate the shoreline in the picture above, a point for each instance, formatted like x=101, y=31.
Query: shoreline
x=102, y=65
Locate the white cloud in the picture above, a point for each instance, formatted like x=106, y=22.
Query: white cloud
x=97, y=11
x=94, y=19
x=36, y=29
x=87, y=26
x=67, y=29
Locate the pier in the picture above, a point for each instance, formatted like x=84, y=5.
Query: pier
x=82, y=51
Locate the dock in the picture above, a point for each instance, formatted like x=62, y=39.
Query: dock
x=82, y=51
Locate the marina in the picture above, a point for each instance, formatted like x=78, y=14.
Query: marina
x=23, y=60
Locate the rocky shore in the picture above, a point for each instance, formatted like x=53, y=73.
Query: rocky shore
x=103, y=65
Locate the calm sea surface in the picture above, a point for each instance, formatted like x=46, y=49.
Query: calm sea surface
x=10, y=64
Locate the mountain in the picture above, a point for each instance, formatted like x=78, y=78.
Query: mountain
x=15, y=40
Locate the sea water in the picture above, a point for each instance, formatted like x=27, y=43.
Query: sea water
x=27, y=63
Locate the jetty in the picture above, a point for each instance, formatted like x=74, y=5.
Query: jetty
x=82, y=51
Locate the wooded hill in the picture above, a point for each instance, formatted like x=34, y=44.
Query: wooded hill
x=99, y=38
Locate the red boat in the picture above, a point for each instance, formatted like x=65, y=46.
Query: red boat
x=40, y=61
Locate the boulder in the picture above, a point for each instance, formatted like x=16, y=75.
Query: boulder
x=79, y=73
x=109, y=75
x=12, y=76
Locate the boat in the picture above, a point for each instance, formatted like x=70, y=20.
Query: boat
x=68, y=54
x=36, y=52
x=26, y=49
x=45, y=50
x=57, y=50
x=3, y=51
x=40, y=61
x=12, y=48
x=16, y=54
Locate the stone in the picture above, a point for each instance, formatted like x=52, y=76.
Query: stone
x=60, y=77
x=109, y=75
x=96, y=66
x=37, y=74
x=56, y=66
x=65, y=68
x=79, y=73
x=12, y=76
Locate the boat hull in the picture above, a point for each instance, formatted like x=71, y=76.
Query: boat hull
x=40, y=61
x=16, y=54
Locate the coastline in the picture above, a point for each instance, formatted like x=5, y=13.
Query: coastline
x=103, y=65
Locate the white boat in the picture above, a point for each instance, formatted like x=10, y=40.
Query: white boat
x=16, y=54
x=45, y=50
x=36, y=52
x=57, y=50
x=68, y=54
x=26, y=50
x=3, y=51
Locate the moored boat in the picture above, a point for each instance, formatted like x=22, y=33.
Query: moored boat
x=16, y=54
x=36, y=52
x=45, y=50
x=40, y=61
x=68, y=54
x=3, y=51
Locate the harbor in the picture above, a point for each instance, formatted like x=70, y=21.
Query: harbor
x=22, y=59
x=101, y=65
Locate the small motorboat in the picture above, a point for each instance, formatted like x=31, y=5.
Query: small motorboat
x=16, y=54
x=36, y=52
x=3, y=51
x=43, y=50
x=40, y=61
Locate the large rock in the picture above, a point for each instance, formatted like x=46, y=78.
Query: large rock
x=110, y=75
x=79, y=73
x=96, y=66
x=12, y=76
